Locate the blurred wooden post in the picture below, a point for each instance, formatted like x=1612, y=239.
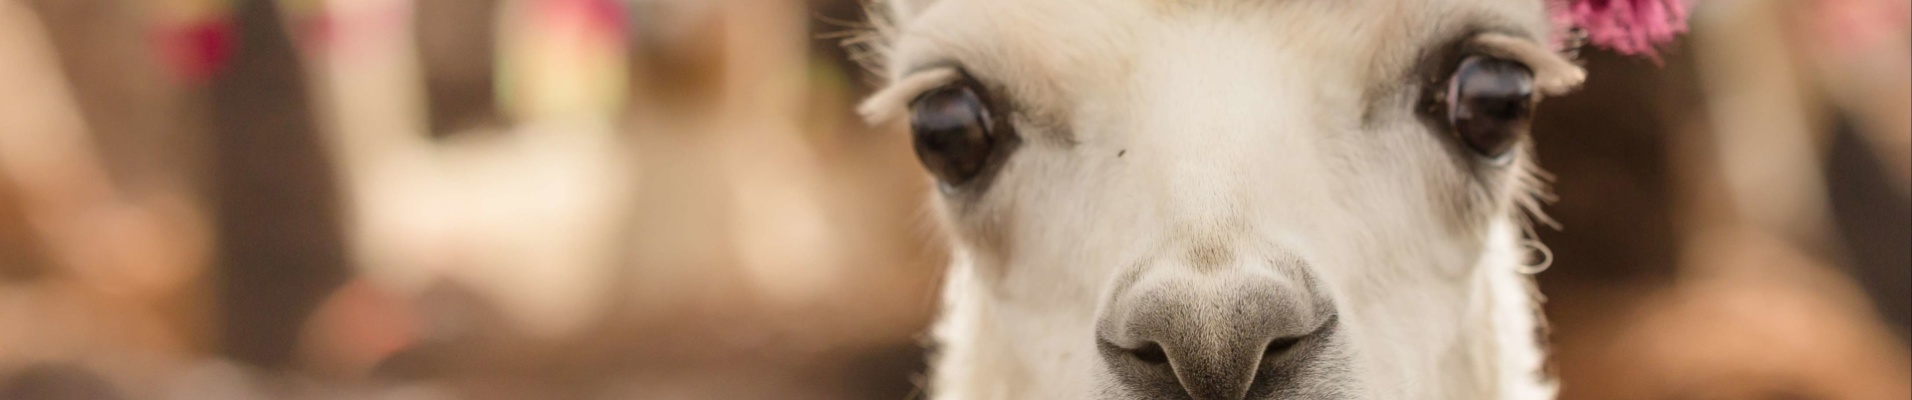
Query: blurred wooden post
x=457, y=52
x=281, y=244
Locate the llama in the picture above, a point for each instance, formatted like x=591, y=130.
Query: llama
x=1226, y=199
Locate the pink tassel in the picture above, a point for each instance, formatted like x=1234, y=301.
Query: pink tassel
x=194, y=51
x=1629, y=27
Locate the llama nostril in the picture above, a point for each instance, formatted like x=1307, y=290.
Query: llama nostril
x=1280, y=346
x=1151, y=353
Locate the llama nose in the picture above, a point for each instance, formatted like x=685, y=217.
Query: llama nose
x=1205, y=339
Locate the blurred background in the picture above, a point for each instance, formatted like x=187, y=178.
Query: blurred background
x=671, y=199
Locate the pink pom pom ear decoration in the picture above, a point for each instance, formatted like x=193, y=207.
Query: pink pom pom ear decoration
x=1629, y=27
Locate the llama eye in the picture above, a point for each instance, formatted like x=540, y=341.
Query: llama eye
x=1490, y=103
x=954, y=133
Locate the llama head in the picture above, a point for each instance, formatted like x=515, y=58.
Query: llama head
x=1228, y=199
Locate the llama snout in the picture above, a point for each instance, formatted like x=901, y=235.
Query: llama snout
x=1175, y=332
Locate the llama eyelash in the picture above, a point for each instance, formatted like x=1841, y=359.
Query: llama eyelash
x=888, y=104
x=1554, y=74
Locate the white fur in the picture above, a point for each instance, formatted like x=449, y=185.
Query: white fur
x=1270, y=127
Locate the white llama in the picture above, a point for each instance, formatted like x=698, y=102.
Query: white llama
x=1229, y=199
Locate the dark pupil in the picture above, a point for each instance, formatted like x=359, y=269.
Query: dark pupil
x=952, y=134
x=1492, y=100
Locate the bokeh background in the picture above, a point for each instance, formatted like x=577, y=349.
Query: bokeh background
x=671, y=199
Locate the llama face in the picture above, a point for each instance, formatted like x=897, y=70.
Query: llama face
x=1224, y=199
